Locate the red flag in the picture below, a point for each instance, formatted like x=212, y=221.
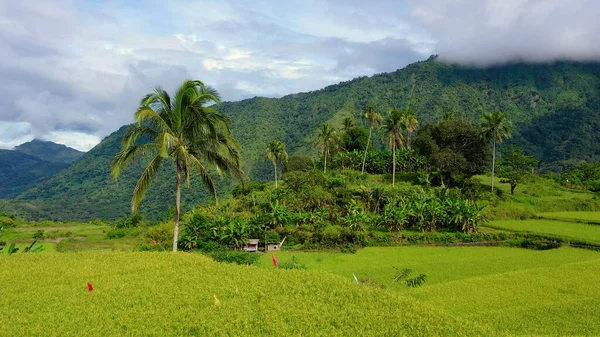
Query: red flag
x=90, y=287
x=275, y=263
x=154, y=242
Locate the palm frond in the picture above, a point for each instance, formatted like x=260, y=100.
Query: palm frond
x=128, y=155
x=139, y=192
x=206, y=178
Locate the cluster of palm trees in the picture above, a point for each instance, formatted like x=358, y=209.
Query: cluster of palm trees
x=188, y=131
x=395, y=123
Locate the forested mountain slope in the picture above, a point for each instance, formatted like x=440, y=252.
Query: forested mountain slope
x=555, y=108
x=50, y=151
x=20, y=171
x=87, y=191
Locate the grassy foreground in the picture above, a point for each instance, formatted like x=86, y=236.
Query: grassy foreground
x=163, y=294
x=508, y=290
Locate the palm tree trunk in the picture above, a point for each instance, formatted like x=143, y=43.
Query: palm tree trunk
x=493, y=162
x=275, y=166
x=325, y=153
x=367, y=148
x=393, y=163
x=177, y=209
x=408, y=140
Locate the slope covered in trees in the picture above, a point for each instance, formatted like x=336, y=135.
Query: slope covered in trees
x=555, y=109
x=20, y=171
x=50, y=151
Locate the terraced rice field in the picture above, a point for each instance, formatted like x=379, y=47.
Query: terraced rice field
x=507, y=290
x=566, y=229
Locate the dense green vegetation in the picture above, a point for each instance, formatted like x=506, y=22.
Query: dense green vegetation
x=554, y=109
x=20, y=172
x=49, y=151
x=31, y=163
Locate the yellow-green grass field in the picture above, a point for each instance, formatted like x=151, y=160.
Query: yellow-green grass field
x=65, y=237
x=165, y=294
x=470, y=291
x=585, y=217
x=565, y=229
x=508, y=290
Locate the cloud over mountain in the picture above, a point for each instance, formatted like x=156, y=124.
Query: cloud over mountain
x=74, y=71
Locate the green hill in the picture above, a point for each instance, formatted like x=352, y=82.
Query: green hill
x=86, y=191
x=21, y=171
x=555, y=108
x=49, y=151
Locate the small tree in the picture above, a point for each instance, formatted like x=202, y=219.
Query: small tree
x=276, y=153
x=325, y=137
x=515, y=166
x=374, y=118
x=393, y=129
x=496, y=127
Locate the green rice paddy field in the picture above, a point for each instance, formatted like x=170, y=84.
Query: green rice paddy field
x=586, y=217
x=470, y=291
x=566, y=229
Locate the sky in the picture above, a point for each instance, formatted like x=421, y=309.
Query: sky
x=73, y=72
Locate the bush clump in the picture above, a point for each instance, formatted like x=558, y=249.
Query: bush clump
x=234, y=257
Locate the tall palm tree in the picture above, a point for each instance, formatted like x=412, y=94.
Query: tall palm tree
x=325, y=136
x=374, y=117
x=276, y=153
x=410, y=124
x=393, y=126
x=495, y=126
x=183, y=129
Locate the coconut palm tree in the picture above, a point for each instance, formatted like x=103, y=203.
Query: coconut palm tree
x=183, y=129
x=393, y=127
x=374, y=118
x=276, y=153
x=496, y=127
x=325, y=136
x=410, y=124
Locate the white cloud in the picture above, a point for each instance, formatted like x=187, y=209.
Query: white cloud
x=487, y=32
x=71, y=69
x=77, y=140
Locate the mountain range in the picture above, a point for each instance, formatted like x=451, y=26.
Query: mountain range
x=555, y=109
x=31, y=163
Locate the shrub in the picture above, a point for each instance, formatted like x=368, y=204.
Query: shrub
x=7, y=220
x=39, y=234
x=129, y=222
x=538, y=245
x=292, y=264
x=162, y=234
x=118, y=233
x=236, y=257
x=247, y=188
